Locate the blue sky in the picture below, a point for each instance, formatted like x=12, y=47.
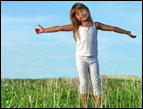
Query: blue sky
x=24, y=54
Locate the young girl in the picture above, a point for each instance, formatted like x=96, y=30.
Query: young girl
x=85, y=34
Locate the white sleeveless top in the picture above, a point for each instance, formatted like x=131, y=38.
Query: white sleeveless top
x=87, y=45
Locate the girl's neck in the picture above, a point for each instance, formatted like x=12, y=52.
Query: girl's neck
x=86, y=24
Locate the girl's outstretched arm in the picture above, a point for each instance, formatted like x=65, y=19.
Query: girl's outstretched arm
x=112, y=28
x=53, y=29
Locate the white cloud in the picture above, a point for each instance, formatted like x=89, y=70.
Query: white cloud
x=24, y=19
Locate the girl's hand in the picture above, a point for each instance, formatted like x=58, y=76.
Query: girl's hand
x=129, y=34
x=38, y=31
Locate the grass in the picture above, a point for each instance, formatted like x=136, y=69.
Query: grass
x=64, y=93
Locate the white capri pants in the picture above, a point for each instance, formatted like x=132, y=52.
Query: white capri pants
x=88, y=65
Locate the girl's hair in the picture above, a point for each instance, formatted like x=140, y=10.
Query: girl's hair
x=75, y=22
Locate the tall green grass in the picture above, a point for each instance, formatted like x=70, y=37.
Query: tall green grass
x=64, y=93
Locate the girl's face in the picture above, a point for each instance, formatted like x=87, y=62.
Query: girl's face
x=82, y=15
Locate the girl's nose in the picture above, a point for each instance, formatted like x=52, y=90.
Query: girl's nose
x=81, y=13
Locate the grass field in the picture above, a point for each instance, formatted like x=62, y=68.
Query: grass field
x=64, y=93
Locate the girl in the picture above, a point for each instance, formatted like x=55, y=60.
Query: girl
x=85, y=34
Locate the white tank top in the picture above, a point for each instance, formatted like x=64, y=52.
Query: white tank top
x=87, y=45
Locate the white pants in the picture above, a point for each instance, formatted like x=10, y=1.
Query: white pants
x=88, y=65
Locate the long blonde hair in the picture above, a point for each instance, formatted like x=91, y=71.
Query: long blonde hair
x=75, y=22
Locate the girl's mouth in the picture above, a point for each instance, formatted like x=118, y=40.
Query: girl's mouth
x=83, y=16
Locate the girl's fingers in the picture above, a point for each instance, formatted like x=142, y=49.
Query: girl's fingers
x=40, y=26
x=36, y=30
x=132, y=36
